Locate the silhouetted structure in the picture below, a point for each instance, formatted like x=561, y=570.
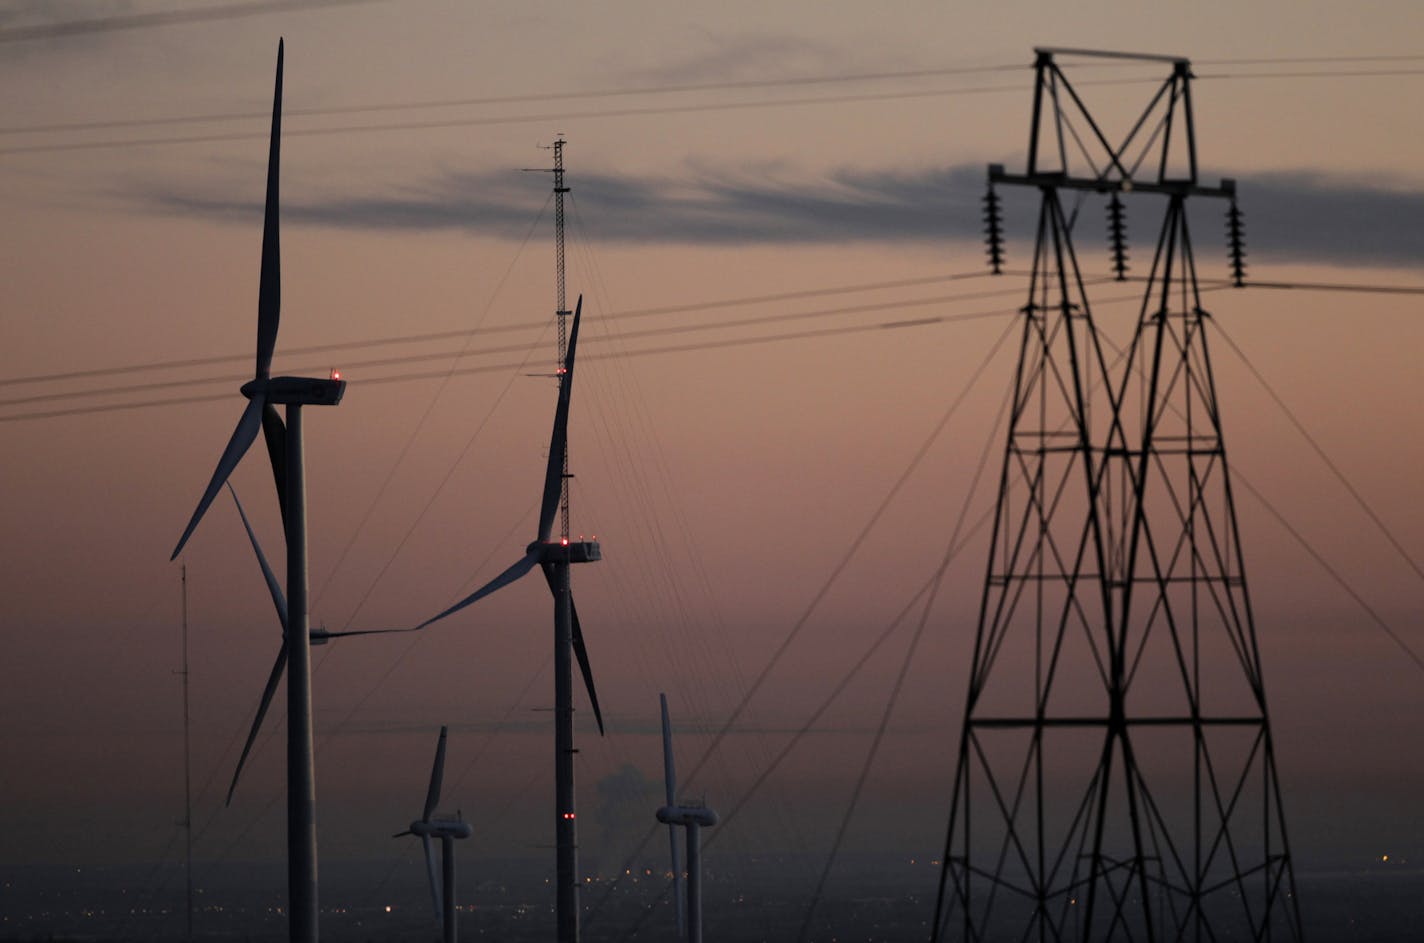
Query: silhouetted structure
x=430, y=826
x=1115, y=777
x=284, y=445
x=555, y=557
x=693, y=816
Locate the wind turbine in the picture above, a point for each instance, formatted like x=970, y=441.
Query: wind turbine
x=693, y=816
x=429, y=826
x=555, y=557
x=284, y=446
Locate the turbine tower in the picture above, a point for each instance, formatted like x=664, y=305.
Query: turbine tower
x=693, y=816
x=1115, y=778
x=555, y=557
x=284, y=445
x=430, y=825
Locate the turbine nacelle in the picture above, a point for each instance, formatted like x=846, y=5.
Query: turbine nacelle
x=565, y=551
x=302, y=391
x=687, y=814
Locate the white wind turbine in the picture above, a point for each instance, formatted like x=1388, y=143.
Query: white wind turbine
x=554, y=557
x=432, y=825
x=284, y=445
x=693, y=816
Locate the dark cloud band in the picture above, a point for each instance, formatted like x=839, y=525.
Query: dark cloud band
x=1290, y=216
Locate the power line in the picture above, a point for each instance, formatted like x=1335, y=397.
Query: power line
x=504, y=328
x=495, y=368
x=796, y=628
x=1314, y=74
x=634, y=313
x=682, y=348
x=1357, y=287
x=420, y=424
x=465, y=351
x=1320, y=452
x=1334, y=574
x=110, y=124
x=956, y=543
x=541, y=118
x=1288, y=60
x=530, y=98
x=1364, y=288
x=630, y=112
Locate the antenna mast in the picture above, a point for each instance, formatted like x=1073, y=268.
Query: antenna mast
x=555, y=558
x=562, y=311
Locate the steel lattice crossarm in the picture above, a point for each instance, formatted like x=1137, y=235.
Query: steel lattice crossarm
x=1068, y=148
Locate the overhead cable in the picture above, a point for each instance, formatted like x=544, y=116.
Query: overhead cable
x=1320, y=452
x=462, y=333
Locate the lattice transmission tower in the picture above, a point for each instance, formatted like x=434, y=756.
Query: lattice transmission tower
x=1115, y=778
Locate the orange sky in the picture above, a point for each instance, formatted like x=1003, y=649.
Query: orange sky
x=724, y=482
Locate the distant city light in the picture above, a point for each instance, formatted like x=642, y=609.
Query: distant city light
x=388, y=908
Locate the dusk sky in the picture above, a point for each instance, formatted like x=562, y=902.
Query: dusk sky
x=769, y=202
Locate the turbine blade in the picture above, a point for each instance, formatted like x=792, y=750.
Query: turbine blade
x=403, y=834
x=525, y=564
x=275, y=432
x=273, y=587
x=559, y=440
x=320, y=635
x=580, y=650
x=237, y=447
x=669, y=773
x=434, y=879
x=437, y=774
x=269, y=292
x=581, y=653
x=266, y=702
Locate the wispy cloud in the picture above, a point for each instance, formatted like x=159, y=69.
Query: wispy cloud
x=26, y=20
x=744, y=57
x=1290, y=216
